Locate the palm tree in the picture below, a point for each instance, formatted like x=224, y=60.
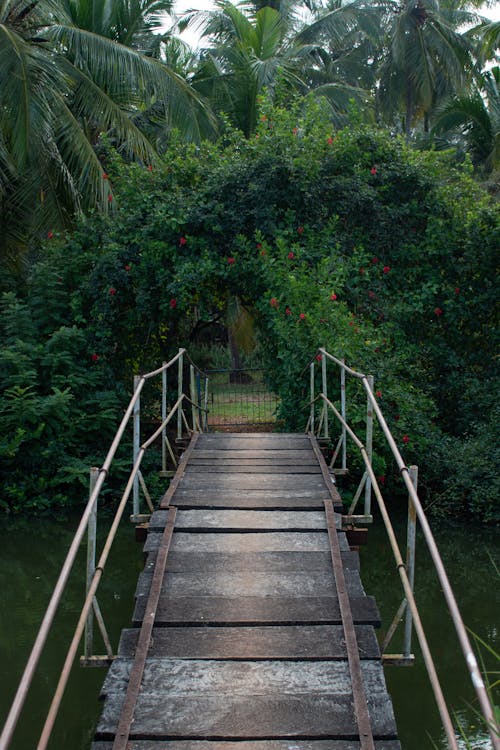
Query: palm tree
x=60, y=87
x=425, y=57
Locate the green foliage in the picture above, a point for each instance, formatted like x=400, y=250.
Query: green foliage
x=348, y=240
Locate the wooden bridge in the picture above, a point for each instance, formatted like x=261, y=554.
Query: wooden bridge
x=251, y=628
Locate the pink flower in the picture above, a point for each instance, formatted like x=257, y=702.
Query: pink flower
x=112, y=291
x=378, y=394
x=319, y=357
x=329, y=141
x=333, y=296
x=182, y=241
x=288, y=311
x=300, y=230
x=150, y=168
x=257, y=136
x=105, y=176
x=231, y=261
x=50, y=235
x=173, y=303
x=438, y=312
x=406, y=439
x=291, y=255
x=302, y=316
x=386, y=269
x=95, y=357
x=371, y=294
x=373, y=170
x=374, y=259
x=110, y=198
x=258, y=246
x=273, y=302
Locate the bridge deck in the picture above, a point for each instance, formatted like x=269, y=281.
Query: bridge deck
x=242, y=638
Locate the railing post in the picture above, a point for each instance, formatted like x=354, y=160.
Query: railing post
x=91, y=550
x=344, y=417
x=192, y=391
x=163, y=418
x=311, y=373
x=136, y=446
x=205, y=413
x=180, y=370
x=410, y=557
x=325, y=392
x=369, y=446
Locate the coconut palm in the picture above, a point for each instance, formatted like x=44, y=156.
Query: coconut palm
x=426, y=57
x=60, y=87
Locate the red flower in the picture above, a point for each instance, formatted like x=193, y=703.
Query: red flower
x=457, y=290
x=231, y=261
x=295, y=131
x=258, y=246
x=386, y=269
x=374, y=259
x=300, y=230
x=173, y=303
x=112, y=291
x=361, y=270
x=371, y=294
x=437, y=312
x=397, y=417
x=273, y=302
x=373, y=170
x=110, y=198
x=50, y=235
x=105, y=176
x=127, y=268
x=381, y=479
x=406, y=439
x=330, y=141
x=150, y=168
x=333, y=296
x=319, y=357
x=291, y=255
x=378, y=394
x=288, y=311
x=263, y=253
x=95, y=357
x=263, y=118
x=302, y=316
x=351, y=322
x=182, y=241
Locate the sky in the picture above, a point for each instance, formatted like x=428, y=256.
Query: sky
x=192, y=37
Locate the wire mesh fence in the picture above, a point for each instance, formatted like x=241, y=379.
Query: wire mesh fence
x=240, y=399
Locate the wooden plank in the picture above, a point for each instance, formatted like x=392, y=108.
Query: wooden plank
x=251, y=583
x=250, y=500
x=216, y=467
x=252, y=481
x=250, y=442
x=318, y=642
x=230, y=700
x=256, y=610
x=257, y=561
x=241, y=519
x=273, y=541
x=251, y=745
x=284, y=457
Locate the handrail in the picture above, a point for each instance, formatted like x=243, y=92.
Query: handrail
x=47, y=621
x=456, y=617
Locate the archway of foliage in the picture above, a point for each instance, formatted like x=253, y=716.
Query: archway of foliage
x=345, y=239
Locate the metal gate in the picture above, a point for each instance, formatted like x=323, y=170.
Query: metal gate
x=240, y=400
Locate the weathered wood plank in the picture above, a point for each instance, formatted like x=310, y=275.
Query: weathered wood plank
x=250, y=583
x=249, y=745
x=318, y=642
x=241, y=699
x=273, y=541
x=250, y=500
x=256, y=610
x=243, y=441
x=241, y=519
x=283, y=457
x=216, y=467
x=252, y=481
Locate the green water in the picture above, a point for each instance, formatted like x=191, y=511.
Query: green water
x=30, y=557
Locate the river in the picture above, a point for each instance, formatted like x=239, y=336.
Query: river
x=31, y=554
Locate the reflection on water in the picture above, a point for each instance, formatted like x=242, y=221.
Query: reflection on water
x=31, y=555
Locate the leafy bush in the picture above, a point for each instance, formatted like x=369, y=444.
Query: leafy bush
x=348, y=240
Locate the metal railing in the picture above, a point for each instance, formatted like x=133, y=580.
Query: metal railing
x=197, y=422
x=405, y=570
